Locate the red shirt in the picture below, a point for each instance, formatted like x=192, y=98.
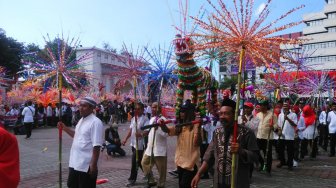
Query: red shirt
x=9, y=160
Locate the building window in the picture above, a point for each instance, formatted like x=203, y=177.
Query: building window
x=332, y=15
x=314, y=23
x=106, y=56
x=331, y=1
x=322, y=59
x=332, y=30
x=330, y=44
x=99, y=54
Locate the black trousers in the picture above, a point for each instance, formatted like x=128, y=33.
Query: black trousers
x=332, y=143
x=185, y=177
x=135, y=165
x=324, y=136
x=289, y=145
x=262, y=144
x=79, y=179
x=49, y=121
x=29, y=127
x=304, y=147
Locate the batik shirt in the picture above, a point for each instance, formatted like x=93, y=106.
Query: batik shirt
x=219, y=150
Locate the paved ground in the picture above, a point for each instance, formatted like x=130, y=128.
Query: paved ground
x=39, y=166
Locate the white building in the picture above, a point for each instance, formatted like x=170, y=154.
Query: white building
x=320, y=35
x=101, y=63
x=320, y=31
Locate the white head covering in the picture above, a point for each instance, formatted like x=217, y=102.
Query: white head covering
x=88, y=100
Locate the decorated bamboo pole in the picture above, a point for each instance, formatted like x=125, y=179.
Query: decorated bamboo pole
x=136, y=123
x=235, y=127
x=316, y=120
x=60, y=129
x=158, y=114
x=276, y=93
x=244, y=86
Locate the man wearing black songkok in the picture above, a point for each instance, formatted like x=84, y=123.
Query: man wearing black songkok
x=221, y=148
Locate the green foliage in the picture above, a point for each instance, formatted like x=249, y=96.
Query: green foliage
x=228, y=83
x=10, y=54
x=32, y=48
x=108, y=47
x=56, y=46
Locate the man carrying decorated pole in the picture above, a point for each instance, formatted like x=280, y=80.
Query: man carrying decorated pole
x=222, y=147
x=85, y=149
x=59, y=65
x=187, y=151
x=237, y=32
x=286, y=134
x=267, y=124
x=324, y=131
x=156, y=151
x=137, y=138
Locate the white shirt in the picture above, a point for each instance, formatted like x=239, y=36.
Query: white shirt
x=209, y=128
x=310, y=132
x=301, y=127
x=288, y=131
x=142, y=121
x=88, y=133
x=323, y=118
x=332, y=122
x=64, y=108
x=28, y=114
x=56, y=112
x=13, y=112
x=160, y=142
x=49, y=111
x=252, y=123
x=149, y=109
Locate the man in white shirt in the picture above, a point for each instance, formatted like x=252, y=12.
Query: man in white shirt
x=332, y=129
x=85, y=149
x=287, y=121
x=28, y=118
x=149, y=111
x=156, y=151
x=137, y=141
x=247, y=119
x=49, y=115
x=14, y=111
x=323, y=128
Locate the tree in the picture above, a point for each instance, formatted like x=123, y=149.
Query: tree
x=32, y=48
x=11, y=52
x=109, y=48
x=229, y=83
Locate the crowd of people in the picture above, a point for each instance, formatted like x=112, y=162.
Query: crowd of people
x=283, y=131
x=37, y=115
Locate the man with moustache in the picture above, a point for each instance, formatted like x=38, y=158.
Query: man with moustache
x=156, y=151
x=287, y=122
x=85, y=149
x=221, y=149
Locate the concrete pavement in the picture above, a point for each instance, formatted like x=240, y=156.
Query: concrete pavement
x=39, y=166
